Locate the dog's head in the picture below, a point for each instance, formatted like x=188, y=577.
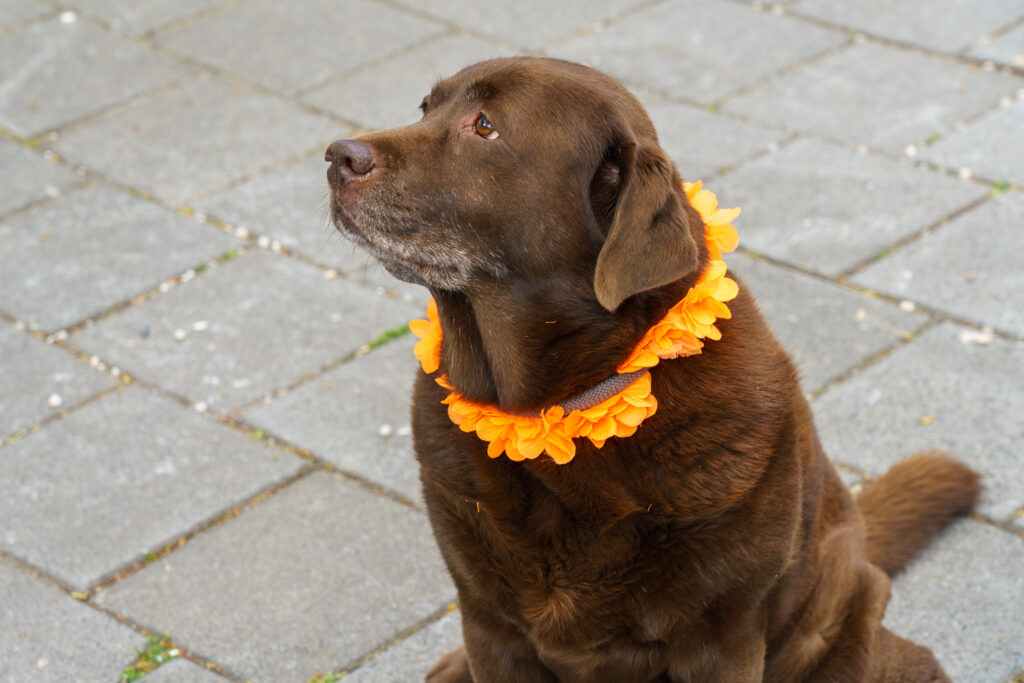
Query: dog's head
x=519, y=168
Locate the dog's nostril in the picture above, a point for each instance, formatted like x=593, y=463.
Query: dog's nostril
x=351, y=156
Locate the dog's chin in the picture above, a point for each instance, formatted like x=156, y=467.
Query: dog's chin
x=424, y=274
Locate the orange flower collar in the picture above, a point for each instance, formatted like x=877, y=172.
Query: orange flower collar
x=678, y=334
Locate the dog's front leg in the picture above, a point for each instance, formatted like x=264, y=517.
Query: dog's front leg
x=494, y=651
x=739, y=658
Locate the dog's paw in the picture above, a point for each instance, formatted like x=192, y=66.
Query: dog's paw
x=452, y=668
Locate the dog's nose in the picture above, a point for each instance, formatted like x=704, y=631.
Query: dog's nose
x=353, y=158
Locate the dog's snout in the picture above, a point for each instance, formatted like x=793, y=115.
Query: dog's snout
x=352, y=158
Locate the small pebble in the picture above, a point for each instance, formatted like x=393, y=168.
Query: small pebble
x=180, y=334
x=404, y=431
x=907, y=306
x=263, y=242
x=199, y=406
x=966, y=173
x=988, y=66
x=242, y=232
x=68, y=17
x=331, y=274
x=910, y=151
x=51, y=191
x=385, y=430
x=55, y=400
x=43, y=661
x=860, y=315
x=983, y=336
x=200, y=325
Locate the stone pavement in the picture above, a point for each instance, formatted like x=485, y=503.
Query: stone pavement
x=204, y=423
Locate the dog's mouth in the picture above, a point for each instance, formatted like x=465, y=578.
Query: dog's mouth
x=407, y=254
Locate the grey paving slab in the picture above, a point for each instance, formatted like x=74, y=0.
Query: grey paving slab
x=827, y=208
x=882, y=97
x=408, y=78
x=700, y=142
x=518, y=22
x=302, y=583
x=699, y=50
x=14, y=11
x=355, y=416
x=28, y=177
x=301, y=42
x=961, y=597
x=290, y=205
x=915, y=21
x=827, y=330
x=939, y=391
x=93, y=248
x=992, y=147
x=410, y=660
x=264, y=321
x=181, y=671
x=196, y=138
x=970, y=268
x=62, y=71
x=47, y=636
x=141, y=17
x=39, y=380
x=1006, y=49
x=167, y=468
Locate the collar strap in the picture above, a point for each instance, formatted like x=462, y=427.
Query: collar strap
x=618, y=405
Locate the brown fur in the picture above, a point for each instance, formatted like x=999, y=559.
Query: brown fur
x=716, y=544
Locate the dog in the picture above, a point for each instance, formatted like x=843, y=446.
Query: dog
x=716, y=542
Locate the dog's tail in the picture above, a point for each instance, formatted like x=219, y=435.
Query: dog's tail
x=910, y=502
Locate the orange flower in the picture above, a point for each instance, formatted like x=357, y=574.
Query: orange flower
x=678, y=334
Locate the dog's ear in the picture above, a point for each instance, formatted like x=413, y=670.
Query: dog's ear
x=649, y=243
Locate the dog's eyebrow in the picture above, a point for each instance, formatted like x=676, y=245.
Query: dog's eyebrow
x=481, y=90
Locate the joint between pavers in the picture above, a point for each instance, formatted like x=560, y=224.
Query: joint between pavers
x=26, y=23
x=912, y=238
x=401, y=636
x=59, y=415
x=449, y=32
x=211, y=522
x=601, y=25
x=861, y=36
x=787, y=70
x=419, y=14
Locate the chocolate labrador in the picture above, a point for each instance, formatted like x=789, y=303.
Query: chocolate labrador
x=716, y=543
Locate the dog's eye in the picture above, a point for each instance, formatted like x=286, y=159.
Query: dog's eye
x=423, y=105
x=485, y=128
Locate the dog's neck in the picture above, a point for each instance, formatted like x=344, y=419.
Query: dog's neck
x=525, y=348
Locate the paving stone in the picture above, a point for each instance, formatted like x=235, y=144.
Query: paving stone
x=167, y=468
x=992, y=147
x=302, y=42
x=699, y=50
x=304, y=582
x=1007, y=49
x=269, y=321
x=882, y=97
x=141, y=17
x=954, y=270
x=936, y=392
x=517, y=22
x=46, y=635
x=33, y=373
x=961, y=597
x=196, y=138
x=915, y=21
x=355, y=416
x=100, y=247
x=64, y=71
x=290, y=205
x=700, y=142
x=28, y=177
x=15, y=11
x=410, y=660
x=827, y=330
x=181, y=671
x=409, y=77
x=826, y=208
